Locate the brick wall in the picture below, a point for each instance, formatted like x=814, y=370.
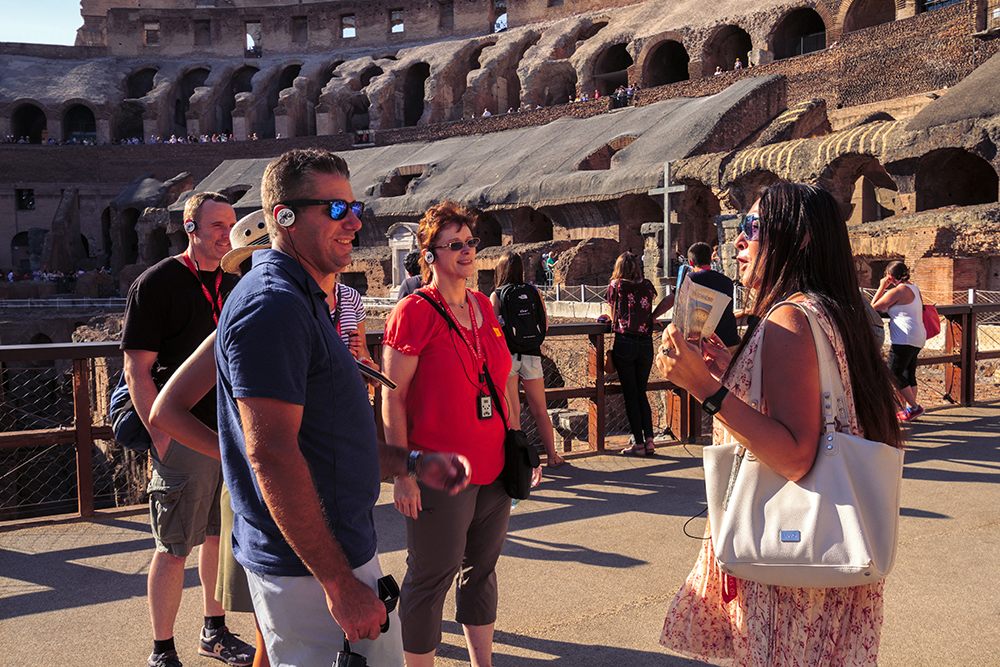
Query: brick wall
x=926, y=52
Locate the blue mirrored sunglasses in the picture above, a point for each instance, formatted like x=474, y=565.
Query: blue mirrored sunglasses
x=750, y=226
x=338, y=207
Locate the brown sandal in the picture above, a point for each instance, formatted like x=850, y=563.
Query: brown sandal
x=634, y=450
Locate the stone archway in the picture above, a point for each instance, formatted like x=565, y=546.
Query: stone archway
x=861, y=14
x=611, y=69
x=800, y=31
x=29, y=121
x=954, y=177
x=182, y=97
x=413, y=93
x=530, y=226
x=666, y=63
x=726, y=45
x=79, y=124
x=240, y=82
x=139, y=83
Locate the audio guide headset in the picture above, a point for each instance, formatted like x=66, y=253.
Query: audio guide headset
x=284, y=216
x=429, y=256
x=190, y=226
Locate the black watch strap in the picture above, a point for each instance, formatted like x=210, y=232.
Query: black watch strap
x=713, y=403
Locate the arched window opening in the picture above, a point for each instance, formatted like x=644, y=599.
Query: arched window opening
x=530, y=226
x=477, y=54
x=612, y=69
x=139, y=83
x=241, y=82
x=590, y=31
x=488, y=229
x=801, y=31
x=128, y=124
x=500, y=12
x=287, y=78
x=130, y=238
x=954, y=177
x=29, y=122
x=869, y=13
x=413, y=93
x=182, y=103
x=668, y=63
x=728, y=44
x=370, y=73
x=20, y=252
x=79, y=124
x=600, y=159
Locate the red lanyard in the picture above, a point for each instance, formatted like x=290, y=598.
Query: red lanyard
x=216, y=304
x=475, y=347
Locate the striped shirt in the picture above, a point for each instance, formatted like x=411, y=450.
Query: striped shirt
x=348, y=313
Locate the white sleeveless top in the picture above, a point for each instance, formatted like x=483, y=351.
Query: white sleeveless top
x=906, y=321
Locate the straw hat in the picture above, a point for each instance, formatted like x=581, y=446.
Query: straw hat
x=248, y=235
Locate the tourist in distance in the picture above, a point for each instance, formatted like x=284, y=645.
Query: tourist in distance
x=414, y=280
x=630, y=301
x=901, y=299
x=443, y=403
x=793, y=246
x=521, y=311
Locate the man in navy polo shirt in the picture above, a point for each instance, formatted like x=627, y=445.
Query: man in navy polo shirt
x=299, y=448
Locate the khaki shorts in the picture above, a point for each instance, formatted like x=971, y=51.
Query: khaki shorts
x=184, y=494
x=231, y=587
x=528, y=366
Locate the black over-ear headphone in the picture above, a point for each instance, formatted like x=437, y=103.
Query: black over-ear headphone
x=284, y=217
x=190, y=226
x=429, y=256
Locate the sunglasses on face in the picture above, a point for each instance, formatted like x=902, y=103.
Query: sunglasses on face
x=455, y=246
x=750, y=226
x=338, y=207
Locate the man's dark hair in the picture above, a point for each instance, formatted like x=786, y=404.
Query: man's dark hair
x=289, y=176
x=700, y=254
x=412, y=263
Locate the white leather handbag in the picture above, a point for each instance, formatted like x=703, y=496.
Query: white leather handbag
x=837, y=526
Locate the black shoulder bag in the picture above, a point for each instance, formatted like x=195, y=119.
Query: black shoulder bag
x=519, y=457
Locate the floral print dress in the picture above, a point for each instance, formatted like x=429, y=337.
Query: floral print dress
x=727, y=621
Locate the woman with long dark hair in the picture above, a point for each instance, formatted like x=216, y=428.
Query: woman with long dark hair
x=525, y=365
x=793, y=247
x=630, y=299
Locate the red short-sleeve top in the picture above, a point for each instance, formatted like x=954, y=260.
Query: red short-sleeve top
x=442, y=399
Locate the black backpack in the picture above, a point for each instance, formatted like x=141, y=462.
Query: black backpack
x=523, y=318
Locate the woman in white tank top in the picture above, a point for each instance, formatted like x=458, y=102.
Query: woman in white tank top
x=901, y=299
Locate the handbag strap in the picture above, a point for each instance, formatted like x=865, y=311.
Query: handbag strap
x=486, y=372
x=830, y=381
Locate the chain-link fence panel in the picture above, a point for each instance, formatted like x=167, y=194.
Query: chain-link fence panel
x=42, y=480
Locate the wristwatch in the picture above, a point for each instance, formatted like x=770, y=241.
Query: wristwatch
x=411, y=464
x=713, y=403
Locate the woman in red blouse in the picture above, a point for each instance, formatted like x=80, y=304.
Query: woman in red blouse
x=442, y=403
x=630, y=299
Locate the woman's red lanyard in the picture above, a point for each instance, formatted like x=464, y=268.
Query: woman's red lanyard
x=475, y=346
x=216, y=303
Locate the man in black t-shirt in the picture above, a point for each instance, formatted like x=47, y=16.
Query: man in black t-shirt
x=172, y=307
x=700, y=257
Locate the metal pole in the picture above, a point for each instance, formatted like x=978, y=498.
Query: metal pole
x=666, y=219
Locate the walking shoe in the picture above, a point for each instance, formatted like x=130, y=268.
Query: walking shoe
x=225, y=646
x=903, y=415
x=913, y=413
x=165, y=659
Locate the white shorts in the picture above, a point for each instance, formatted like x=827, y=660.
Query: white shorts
x=528, y=366
x=299, y=630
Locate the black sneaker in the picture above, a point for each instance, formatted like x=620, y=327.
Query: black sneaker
x=165, y=659
x=225, y=646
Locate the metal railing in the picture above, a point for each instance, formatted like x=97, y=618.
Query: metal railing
x=58, y=455
x=117, y=303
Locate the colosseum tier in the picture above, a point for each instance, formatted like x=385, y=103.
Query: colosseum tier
x=552, y=118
